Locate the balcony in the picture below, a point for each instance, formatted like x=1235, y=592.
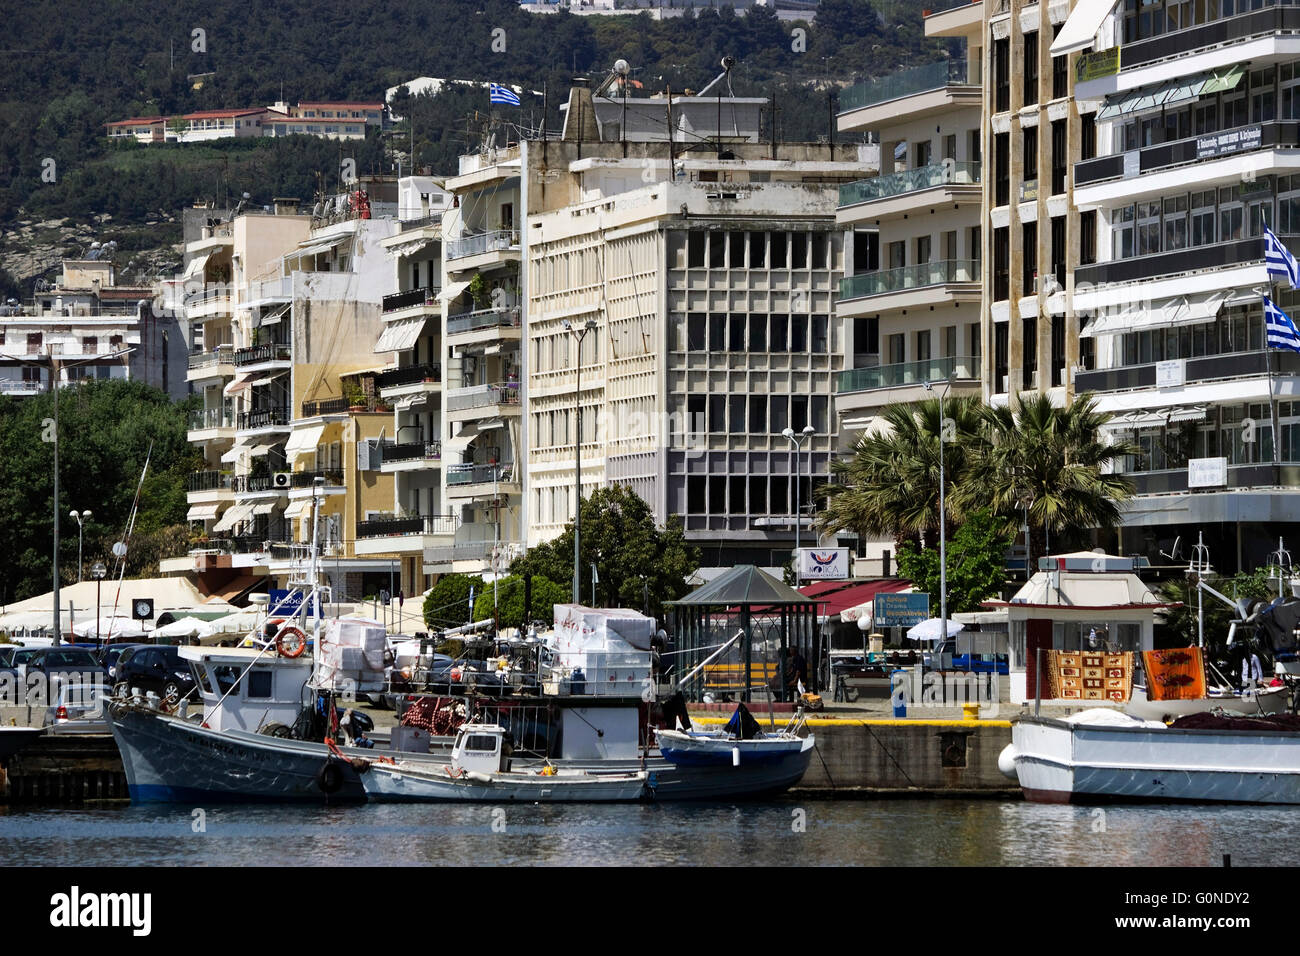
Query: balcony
x=1194, y=259
x=480, y=400
x=484, y=327
x=263, y=418
x=307, y=479
x=202, y=365
x=1204, y=369
x=209, y=481
x=328, y=406
x=268, y=291
x=948, y=18
x=207, y=302
x=1240, y=477
x=420, y=222
x=1227, y=143
x=13, y=386
x=409, y=375
x=501, y=240
x=263, y=355
x=1277, y=17
x=427, y=296
x=415, y=524
x=911, y=181
x=414, y=451
x=905, y=374
x=253, y=484
x=204, y=419
x=934, y=276
x=479, y=480
x=949, y=83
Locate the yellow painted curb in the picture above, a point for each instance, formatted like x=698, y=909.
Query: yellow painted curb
x=866, y=722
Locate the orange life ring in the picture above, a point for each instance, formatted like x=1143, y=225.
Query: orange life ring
x=298, y=648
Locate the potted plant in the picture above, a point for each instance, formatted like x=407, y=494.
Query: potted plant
x=355, y=396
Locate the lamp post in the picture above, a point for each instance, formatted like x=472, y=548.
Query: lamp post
x=943, y=522
x=587, y=326
x=798, y=441
x=97, y=571
x=80, y=518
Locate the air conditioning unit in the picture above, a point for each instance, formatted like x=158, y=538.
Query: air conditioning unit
x=282, y=479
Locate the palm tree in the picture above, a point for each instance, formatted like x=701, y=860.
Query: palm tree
x=890, y=484
x=1045, y=464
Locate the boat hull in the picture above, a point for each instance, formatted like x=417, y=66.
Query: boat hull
x=395, y=784
x=1269, y=700
x=1057, y=762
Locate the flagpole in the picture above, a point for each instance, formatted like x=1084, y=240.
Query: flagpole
x=1268, y=352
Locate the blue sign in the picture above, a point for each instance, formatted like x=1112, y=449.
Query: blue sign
x=900, y=610
x=284, y=603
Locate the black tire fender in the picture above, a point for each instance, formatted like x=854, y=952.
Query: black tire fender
x=330, y=777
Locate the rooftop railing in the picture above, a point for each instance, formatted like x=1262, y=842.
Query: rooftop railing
x=919, y=79
x=908, y=373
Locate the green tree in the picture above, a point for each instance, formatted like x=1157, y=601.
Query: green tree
x=890, y=484
x=976, y=559
x=1181, y=622
x=447, y=603
x=637, y=563
x=509, y=600
x=1050, y=460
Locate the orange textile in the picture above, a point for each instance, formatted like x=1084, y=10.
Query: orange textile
x=1084, y=675
x=1177, y=674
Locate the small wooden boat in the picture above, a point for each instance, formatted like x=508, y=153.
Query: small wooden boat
x=480, y=771
x=741, y=743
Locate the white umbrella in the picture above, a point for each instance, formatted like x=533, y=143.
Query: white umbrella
x=184, y=627
x=933, y=630
x=108, y=628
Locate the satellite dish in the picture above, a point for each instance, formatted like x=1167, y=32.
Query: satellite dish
x=119, y=549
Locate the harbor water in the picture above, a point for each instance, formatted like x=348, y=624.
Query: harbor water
x=893, y=832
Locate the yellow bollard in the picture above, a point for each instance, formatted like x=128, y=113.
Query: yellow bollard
x=970, y=711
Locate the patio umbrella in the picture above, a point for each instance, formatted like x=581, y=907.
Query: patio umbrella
x=185, y=627
x=108, y=629
x=933, y=630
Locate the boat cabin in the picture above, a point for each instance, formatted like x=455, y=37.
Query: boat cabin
x=482, y=748
x=257, y=690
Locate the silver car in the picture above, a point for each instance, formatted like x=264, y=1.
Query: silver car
x=79, y=709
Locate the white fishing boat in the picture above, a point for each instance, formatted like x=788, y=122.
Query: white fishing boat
x=480, y=771
x=741, y=743
x=1265, y=700
x=1102, y=754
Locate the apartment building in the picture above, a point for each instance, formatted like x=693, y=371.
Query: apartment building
x=328, y=120
x=911, y=295
x=1195, y=109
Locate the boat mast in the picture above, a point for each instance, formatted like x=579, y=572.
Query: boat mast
x=1199, y=567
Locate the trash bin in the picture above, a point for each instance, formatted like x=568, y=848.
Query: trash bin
x=898, y=691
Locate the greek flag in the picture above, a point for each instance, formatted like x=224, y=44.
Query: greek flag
x=1279, y=261
x=503, y=94
x=1280, y=330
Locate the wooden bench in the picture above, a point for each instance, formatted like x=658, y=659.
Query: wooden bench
x=731, y=677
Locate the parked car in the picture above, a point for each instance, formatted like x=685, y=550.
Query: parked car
x=78, y=709
x=7, y=654
x=57, y=660
x=112, y=654
x=157, y=668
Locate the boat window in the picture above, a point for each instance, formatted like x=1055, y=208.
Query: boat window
x=227, y=676
x=200, y=676
x=259, y=684
x=482, y=742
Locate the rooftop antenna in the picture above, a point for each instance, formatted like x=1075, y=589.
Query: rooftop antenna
x=728, y=64
x=1281, y=559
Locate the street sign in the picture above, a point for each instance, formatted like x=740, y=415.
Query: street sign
x=900, y=610
x=823, y=564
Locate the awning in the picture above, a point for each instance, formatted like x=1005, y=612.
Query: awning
x=451, y=290
x=1158, y=418
x=316, y=249
x=256, y=451
x=303, y=441
x=271, y=318
x=232, y=456
x=237, y=384
x=1171, y=314
x=264, y=507
x=407, y=402
x=268, y=378
x=469, y=432
x=1223, y=80
x=1080, y=30
x=1160, y=96
x=196, y=266
x=202, y=512
x=233, y=516
x=410, y=247
x=296, y=508
x=400, y=335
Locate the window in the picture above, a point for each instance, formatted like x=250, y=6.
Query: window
x=1060, y=72
x=1148, y=228
x=718, y=413
x=1001, y=352
x=1088, y=237
x=1203, y=218
x=820, y=340
x=1058, y=250
x=758, y=333
x=1029, y=258
x=1001, y=263
x=1088, y=136
x=737, y=243
x=820, y=245
x=866, y=252
x=1175, y=223
x=758, y=414
x=1029, y=152
x=922, y=153
x=717, y=251
x=897, y=346
x=717, y=332
x=1121, y=232
x=798, y=333
x=1232, y=214
x=695, y=250
x=258, y=684
x=897, y=254
x=922, y=250
x=777, y=250
x=798, y=412
x=923, y=345
x=736, y=413
x=736, y=338
x=757, y=250
x=1031, y=68
x=1060, y=158
x=1263, y=101
x=1002, y=75
x=696, y=332
x=799, y=250
x=1002, y=166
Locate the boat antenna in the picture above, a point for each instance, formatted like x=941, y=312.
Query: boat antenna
x=120, y=548
x=1281, y=559
x=1197, y=568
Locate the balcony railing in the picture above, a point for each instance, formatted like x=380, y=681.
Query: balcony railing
x=1218, y=255
x=414, y=524
x=1174, y=480
x=263, y=418
x=209, y=481
x=910, y=277
x=478, y=474
x=207, y=296
x=1177, y=152
x=413, y=451
x=404, y=300
x=919, y=79
x=943, y=6
x=305, y=479
x=420, y=222
x=499, y=240
x=408, y=375
x=243, y=483
x=478, y=396
x=202, y=418
x=327, y=406
x=1204, y=369
x=912, y=180
x=221, y=355
x=908, y=373
x=257, y=354
x=277, y=288
x=1277, y=17
x=483, y=319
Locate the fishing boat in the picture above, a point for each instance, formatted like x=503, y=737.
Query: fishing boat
x=480, y=770
x=742, y=745
x=1101, y=754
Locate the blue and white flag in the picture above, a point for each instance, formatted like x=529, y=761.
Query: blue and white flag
x=1279, y=261
x=1280, y=330
x=503, y=94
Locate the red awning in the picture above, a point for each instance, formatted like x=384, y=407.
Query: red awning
x=837, y=596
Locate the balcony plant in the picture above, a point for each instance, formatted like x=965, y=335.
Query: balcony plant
x=478, y=291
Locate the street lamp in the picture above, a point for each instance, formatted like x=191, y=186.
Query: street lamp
x=81, y=519
x=943, y=523
x=97, y=571
x=798, y=441
x=587, y=326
